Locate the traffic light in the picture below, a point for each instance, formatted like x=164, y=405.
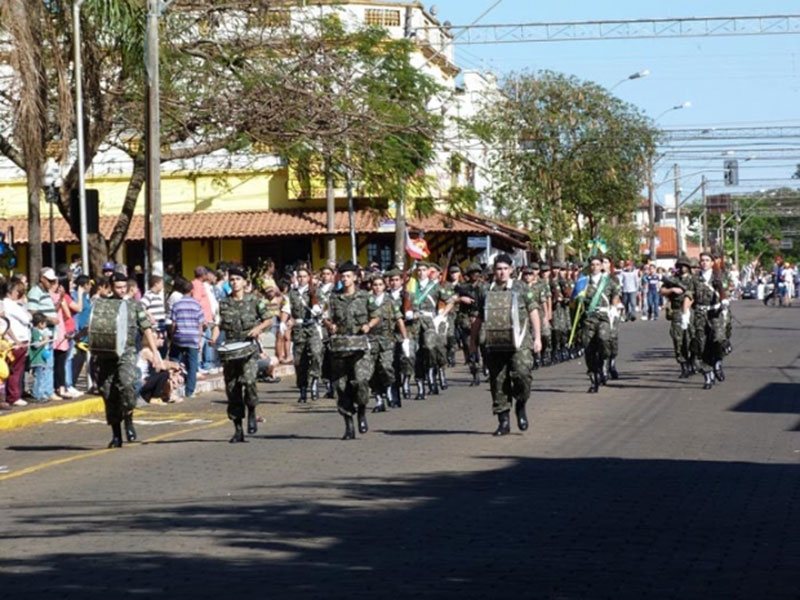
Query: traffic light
x=731, y=171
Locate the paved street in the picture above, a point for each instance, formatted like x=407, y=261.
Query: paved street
x=652, y=488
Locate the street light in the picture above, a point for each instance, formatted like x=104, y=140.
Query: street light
x=84, y=236
x=686, y=104
x=637, y=75
x=52, y=182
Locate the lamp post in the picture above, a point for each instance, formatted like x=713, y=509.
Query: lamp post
x=637, y=75
x=83, y=232
x=350, y=209
x=52, y=181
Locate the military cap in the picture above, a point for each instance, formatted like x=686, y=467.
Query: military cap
x=237, y=270
x=454, y=269
x=422, y=263
x=694, y=263
x=527, y=269
x=534, y=266
x=433, y=265
x=683, y=260
x=116, y=277
x=557, y=264
x=503, y=258
x=474, y=268
x=544, y=267
x=348, y=266
x=395, y=272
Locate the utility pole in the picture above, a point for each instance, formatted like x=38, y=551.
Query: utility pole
x=651, y=207
x=738, y=218
x=705, y=213
x=154, y=255
x=84, y=236
x=330, y=194
x=400, y=203
x=350, y=207
x=678, y=231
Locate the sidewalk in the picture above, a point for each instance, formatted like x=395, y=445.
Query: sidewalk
x=34, y=414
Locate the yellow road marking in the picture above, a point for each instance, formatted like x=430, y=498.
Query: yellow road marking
x=61, y=461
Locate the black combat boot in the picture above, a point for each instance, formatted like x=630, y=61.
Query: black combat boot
x=719, y=374
x=522, y=417
x=684, y=371
x=406, y=387
x=303, y=396
x=252, y=421
x=329, y=389
x=564, y=355
x=442, y=379
x=314, y=388
x=451, y=358
x=433, y=385
x=612, y=369
x=380, y=405
x=503, y=425
x=116, y=436
x=537, y=361
x=709, y=380
x=362, y=419
x=554, y=358
x=420, y=390
x=393, y=395
x=476, y=378
x=238, y=432
x=349, y=428
x=594, y=378
x=130, y=432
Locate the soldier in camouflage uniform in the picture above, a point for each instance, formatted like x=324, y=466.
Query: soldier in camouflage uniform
x=404, y=354
x=676, y=289
x=117, y=376
x=610, y=370
x=561, y=321
x=243, y=317
x=708, y=302
x=466, y=299
x=303, y=308
x=324, y=291
x=547, y=333
x=382, y=338
x=510, y=370
x=430, y=344
x=541, y=291
x=451, y=342
x=351, y=313
x=602, y=306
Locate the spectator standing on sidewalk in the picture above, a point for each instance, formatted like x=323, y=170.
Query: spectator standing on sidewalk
x=19, y=320
x=41, y=359
x=40, y=301
x=630, y=288
x=200, y=293
x=82, y=295
x=153, y=302
x=187, y=319
x=653, y=286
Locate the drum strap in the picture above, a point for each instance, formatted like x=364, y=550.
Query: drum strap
x=426, y=292
x=598, y=294
x=519, y=333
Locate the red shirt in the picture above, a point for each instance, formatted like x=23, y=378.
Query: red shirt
x=199, y=293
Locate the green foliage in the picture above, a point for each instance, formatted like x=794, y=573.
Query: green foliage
x=564, y=148
x=462, y=199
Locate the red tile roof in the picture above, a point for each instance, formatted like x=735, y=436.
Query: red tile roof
x=244, y=224
x=669, y=244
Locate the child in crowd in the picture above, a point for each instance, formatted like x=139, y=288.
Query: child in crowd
x=40, y=347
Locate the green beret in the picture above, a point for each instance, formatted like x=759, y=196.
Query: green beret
x=474, y=268
x=394, y=273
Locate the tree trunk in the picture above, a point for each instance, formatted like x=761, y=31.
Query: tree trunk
x=34, y=224
x=400, y=232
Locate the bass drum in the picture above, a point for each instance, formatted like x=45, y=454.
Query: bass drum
x=108, y=327
x=230, y=351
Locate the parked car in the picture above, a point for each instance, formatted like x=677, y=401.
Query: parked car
x=749, y=291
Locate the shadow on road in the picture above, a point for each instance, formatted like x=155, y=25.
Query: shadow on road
x=779, y=398
x=537, y=528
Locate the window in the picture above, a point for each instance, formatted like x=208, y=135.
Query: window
x=381, y=253
x=382, y=17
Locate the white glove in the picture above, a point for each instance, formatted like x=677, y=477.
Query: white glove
x=409, y=315
x=613, y=312
x=406, y=346
x=685, y=319
x=282, y=327
x=726, y=303
x=316, y=310
x=437, y=320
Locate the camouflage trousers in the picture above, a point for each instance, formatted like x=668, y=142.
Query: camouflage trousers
x=351, y=374
x=116, y=380
x=560, y=327
x=404, y=365
x=709, y=336
x=613, y=342
x=463, y=334
x=307, y=351
x=240, y=385
x=510, y=375
x=596, y=340
x=383, y=358
x=431, y=352
x=681, y=341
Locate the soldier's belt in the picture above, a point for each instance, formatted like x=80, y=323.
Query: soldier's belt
x=707, y=307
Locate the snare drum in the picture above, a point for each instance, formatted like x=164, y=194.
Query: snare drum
x=230, y=351
x=343, y=345
x=108, y=327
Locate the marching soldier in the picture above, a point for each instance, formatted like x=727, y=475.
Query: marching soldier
x=430, y=346
x=351, y=316
x=676, y=290
x=547, y=333
x=117, y=376
x=541, y=291
x=243, y=317
x=390, y=321
x=602, y=302
x=510, y=366
x=611, y=369
x=561, y=320
x=304, y=309
x=466, y=298
x=403, y=353
x=455, y=278
x=324, y=291
x=708, y=301
x=441, y=328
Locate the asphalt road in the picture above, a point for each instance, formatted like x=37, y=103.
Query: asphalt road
x=652, y=488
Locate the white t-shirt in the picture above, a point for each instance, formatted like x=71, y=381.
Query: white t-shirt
x=19, y=318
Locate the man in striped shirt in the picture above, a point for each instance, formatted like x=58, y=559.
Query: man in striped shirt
x=153, y=302
x=187, y=319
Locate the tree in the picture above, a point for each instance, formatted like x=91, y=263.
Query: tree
x=567, y=157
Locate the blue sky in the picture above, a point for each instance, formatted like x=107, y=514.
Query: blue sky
x=730, y=81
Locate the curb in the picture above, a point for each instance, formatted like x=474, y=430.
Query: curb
x=65, y=410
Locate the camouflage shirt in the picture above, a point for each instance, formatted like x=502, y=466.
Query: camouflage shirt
x=389, y=313
x=349, y=312
x=238, y=317
x=527, y=303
